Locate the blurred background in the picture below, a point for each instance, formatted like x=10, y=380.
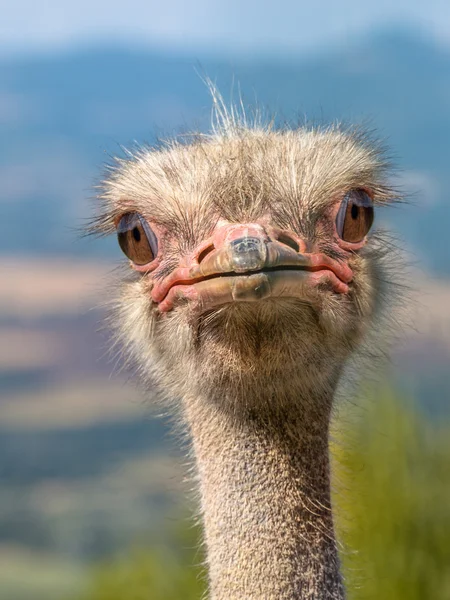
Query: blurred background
x=93, y=498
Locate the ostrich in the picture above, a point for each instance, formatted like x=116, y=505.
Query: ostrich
x=253, y=285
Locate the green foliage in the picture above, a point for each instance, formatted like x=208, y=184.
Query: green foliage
x=392, y=476
x=146, y=575
x=149, y=574
x=393, y=503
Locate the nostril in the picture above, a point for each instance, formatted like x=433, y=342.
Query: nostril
x=204, y=253
x=286, y=239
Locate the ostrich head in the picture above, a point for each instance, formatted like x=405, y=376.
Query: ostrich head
x=252, y=267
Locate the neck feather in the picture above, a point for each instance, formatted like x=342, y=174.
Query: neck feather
x=265, y=497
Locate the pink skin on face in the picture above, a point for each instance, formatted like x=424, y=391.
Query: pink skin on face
x=247, y=262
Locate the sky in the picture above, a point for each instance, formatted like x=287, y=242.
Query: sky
x=235, y=26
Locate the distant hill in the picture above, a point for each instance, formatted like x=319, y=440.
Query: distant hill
x=62, y=115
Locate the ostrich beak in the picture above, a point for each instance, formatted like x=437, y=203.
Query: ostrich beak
x=246, y=263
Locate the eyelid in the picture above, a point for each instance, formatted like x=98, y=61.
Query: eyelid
x=340, y=217
x=151, y=236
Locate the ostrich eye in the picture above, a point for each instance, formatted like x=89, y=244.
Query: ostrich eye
x=355, y=216
x=136, y=239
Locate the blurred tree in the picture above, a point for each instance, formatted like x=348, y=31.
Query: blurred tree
x=392, y=471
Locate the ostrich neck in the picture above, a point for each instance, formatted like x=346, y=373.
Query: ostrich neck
x=265, y=495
